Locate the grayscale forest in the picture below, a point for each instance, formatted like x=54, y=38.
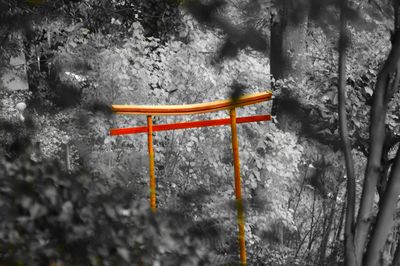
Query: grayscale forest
x=320, y=181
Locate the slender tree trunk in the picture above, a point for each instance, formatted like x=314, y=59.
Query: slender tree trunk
x=396, y=256
x=299, y=194
x=350, y=258
x=327, y=230
x=67, y=157
x=323, y=233
x=380, y=97
x=385, y=219
x=302, y=241
x=340, y=224
x=396, y=8
x=315, y=233
x=335, y=252
x=377, y=138
x=381, y=187
x=312, y=223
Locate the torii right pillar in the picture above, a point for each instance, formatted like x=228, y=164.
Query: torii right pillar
x=238, y=188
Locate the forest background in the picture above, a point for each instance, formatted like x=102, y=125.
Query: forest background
x=72, y=195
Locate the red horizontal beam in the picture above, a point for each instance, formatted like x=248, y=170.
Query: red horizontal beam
x=191, y=124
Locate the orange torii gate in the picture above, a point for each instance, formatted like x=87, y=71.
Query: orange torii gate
x=191, y=109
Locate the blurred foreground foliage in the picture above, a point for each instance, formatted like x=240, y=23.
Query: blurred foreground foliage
x=50, y=216
x=90, y=54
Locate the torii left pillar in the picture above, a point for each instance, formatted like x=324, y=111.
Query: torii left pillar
x=153, y=205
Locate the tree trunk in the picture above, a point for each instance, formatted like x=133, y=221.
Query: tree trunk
x=312, y=223
x=396, y=256
x=288, y=40
x=336, y=241
x=327, y=230
x=67, y=157
x=287, y=51
x=350, y=258
x=396, y=8
x=385, y=219
x=380, y=97
x=377, y=138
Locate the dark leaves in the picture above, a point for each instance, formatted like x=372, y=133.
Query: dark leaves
x=296, y=9
x=324, y=13
x=17, y=147
x=228, y=50
x=233, y=205
x=204, y=13
x=253, y=7
x=57, y=218
x=237, y=38
x=35, y=2
x=65, y=94
x=237, y=90
x=100, y=107
x=82, y=119
x=7, y=126
x=196, y=195
x=207, y=230
x=254, y=40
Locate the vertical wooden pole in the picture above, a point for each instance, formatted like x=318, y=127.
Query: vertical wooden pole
x=67, y=157
x=151, y=163
x=238, y=188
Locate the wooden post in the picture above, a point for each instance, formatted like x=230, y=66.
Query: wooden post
x=238, y=188
x=67, y=157
x=151, y=163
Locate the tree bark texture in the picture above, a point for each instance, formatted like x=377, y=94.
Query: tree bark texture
x=288, y=39
x=350, y=258
x=396, y=8
x=327, y=229
x=385, y=219
x=396, y=256
x=67, y=157
x=334, y=255
x=287, y=52
x=377, y=139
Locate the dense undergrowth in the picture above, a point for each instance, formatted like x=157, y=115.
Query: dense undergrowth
x=89, y=206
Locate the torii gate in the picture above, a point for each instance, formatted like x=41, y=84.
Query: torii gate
x=191, y=109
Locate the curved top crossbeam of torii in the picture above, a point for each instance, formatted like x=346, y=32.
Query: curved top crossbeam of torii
x=190, y=109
